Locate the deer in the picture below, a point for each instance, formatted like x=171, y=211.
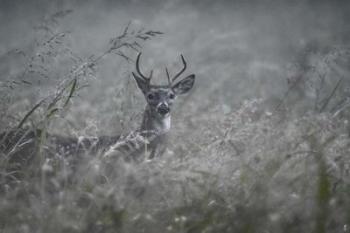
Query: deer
x=156, y=122
x=150, y=139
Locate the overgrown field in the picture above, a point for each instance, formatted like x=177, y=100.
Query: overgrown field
x=239, y=160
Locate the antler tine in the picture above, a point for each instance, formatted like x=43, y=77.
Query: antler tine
x=183, y=69
x=139, y=71
x=168, y=76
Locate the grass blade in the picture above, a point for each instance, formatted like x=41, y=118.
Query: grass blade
x=29, y=114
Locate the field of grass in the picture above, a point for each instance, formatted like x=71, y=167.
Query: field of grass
x=260, y=145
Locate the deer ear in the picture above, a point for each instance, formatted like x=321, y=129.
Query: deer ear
x=141, y=83
x=184, y=85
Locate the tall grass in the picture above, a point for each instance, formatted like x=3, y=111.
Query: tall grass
x=257, y=168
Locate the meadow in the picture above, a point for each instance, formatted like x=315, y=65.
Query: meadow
x=261, y=144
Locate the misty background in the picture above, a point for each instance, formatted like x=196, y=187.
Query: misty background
x=237, y=49
x=260, y=144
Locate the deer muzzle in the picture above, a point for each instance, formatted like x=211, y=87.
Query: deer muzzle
x=163, y=109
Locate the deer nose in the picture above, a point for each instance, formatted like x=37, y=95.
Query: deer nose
x=163, y=109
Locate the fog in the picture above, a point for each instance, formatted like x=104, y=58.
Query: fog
x=242, y=47
x=262, y=138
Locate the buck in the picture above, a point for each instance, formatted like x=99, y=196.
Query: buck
x=156, y=123
x=149, y=140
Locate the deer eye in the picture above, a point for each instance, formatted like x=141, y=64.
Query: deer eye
x=171, y=96
x=150, y=96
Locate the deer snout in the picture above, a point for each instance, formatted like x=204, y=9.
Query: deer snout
x=163, y=109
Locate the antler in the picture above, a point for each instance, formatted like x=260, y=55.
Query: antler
x=168, y=76
x=148, y=79
x=183, y=69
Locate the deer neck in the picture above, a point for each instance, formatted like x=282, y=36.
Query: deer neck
x=153, y=122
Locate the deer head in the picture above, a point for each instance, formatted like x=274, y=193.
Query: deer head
x=161, y=97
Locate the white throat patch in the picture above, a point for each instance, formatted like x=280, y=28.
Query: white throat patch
x=163, y=125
